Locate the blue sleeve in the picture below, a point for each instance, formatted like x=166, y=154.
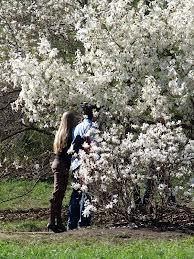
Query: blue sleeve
x=79, y=131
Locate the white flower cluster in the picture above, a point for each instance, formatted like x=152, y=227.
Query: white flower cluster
x=45, y=81
x=137, y=61
x=133, y=59
x=158, y=152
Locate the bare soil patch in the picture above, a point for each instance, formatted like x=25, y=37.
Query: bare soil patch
x=112, y=234
x=176, y=220
x=11, y=215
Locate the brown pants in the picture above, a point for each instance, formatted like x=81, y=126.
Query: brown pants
x=61, y=175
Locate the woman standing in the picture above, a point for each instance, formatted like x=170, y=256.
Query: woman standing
x=60, y=168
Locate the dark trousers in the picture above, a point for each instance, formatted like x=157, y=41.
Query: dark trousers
x=76, y=208
x=61, y=175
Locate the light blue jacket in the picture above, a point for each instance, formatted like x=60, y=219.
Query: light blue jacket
x=80, y=130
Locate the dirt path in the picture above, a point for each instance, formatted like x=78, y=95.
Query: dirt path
x=11, y=215
x=111, y=234
x=168, y=224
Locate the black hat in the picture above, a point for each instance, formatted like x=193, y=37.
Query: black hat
x=88, y=108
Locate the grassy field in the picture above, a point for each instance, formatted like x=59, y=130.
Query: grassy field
x=21, y=238
x=95, y=248
x=25, y=225
x=37, y=198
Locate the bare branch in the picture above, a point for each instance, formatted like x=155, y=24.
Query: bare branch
x=32, y=127
x=27, y=128
x=8, y=104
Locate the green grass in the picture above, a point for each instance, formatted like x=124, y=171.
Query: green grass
x=90, y=248
x=38, y=198
x=25, y=225
x=71, y=245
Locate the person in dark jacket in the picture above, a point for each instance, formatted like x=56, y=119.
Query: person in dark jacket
x=60, y=168
x=77, y=200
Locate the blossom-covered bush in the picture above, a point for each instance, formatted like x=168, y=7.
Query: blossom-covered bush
x=133, y=58
x=118, y=169
x=29, y=62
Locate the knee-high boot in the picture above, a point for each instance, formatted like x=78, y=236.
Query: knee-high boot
x=52, y=219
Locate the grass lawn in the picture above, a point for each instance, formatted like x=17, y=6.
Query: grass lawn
x=68, y=247
x=37, y=198
x=25, y=225
x=80, y=243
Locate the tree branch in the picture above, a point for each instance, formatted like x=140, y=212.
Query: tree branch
x=3, y=108
x=27, y=128
x=10, y=92
x=32, y=127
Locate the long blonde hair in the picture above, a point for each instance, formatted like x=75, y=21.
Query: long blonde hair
x=65, y=128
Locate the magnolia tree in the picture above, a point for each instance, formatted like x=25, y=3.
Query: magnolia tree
x=136, y=62
x=24, y=26
x=154, y=165
x=27, y=58
x=132, y=58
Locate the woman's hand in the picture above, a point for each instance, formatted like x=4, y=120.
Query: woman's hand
x=71, y=150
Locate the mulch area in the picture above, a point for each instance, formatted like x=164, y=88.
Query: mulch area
x=172, y=219
x=11, y=215
x=176, y=218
